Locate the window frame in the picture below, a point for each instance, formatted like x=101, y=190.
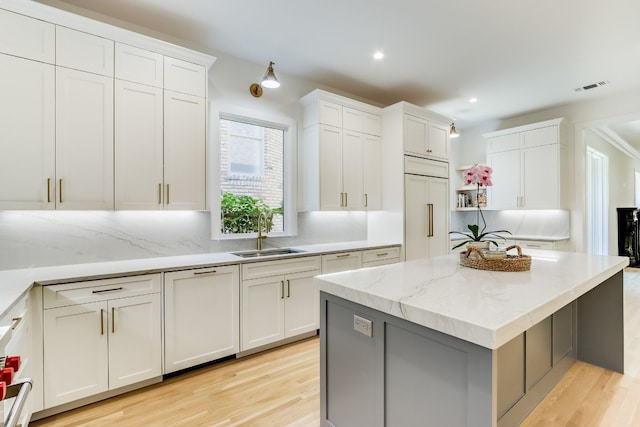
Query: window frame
x=288, y=126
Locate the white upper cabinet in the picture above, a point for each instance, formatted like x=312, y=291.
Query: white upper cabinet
x=184, y=151
x=138, y=146
x=341, y=152
x=27, y=37
x=184, y=77
x=85, y=52
x=84, y=140
x=532, y=166
x=426, y=138
x=27, y=134
x=139, y=65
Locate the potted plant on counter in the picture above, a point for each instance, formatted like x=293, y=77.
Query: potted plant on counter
x=480, y=175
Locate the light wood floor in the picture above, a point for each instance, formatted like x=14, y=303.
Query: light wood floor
x=281, y=388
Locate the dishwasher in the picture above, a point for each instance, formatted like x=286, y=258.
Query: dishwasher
x=13, y=392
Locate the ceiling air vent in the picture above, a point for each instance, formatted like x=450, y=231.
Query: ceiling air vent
x=592, y=86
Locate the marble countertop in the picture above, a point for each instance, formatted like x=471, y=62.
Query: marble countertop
x=484, y=307
x=15, y=283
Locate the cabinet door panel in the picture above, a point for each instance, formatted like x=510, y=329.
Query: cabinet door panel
x=330, y=113
x=262, y=311
x=352, y=170
x=438, y=199
x=82, y=51
x=139, y=65
x=135, y=352
x=416, y=134
x=538, y=353
x=372, y=172
x=505, y=191
x=511, y=374
x=301, y=303
x=335, y=263
x=27, y=37
x=504, y=143
x=542, y=136
x=201, y=316
x=84, y=140
x=415, y=233
x=438, y=141
x=27, y=134
x=184, y=77
x=184, y=151
x=540, y=177
x=75, y=352
x=138, y=146
x=330, y=168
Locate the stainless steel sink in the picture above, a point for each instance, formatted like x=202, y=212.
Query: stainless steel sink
x=266, y=252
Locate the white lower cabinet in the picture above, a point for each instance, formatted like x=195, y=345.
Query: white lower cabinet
x=100, y=335
x=344, y=261
x=201, y=315
x=382, y=256
x=278, y=300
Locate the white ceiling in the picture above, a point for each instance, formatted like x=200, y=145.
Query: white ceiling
x=514, y=56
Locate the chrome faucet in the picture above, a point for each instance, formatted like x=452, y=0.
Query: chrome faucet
x=267, y=227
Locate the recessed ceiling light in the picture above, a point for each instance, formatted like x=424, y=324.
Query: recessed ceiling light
x=378, y=55
x=473, y=100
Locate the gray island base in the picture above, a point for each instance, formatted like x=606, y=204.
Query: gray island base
x=379, y=369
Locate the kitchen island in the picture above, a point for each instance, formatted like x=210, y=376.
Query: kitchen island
x=432, y=343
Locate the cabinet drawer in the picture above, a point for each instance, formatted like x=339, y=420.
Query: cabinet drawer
x=418, y=166
x=373, y=255
x=184, y=77
x=535, y=244
x=139, y=65
x=85, y=52
x=344, y=261
x=100, y=290
x=274, y=268
x=27, y=37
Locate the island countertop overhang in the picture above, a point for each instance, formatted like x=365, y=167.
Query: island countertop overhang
x=483, y=307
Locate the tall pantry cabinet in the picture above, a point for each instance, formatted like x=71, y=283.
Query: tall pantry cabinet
x=96, y=117
x=415, y=182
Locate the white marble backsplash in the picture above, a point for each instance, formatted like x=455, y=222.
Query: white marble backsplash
x=542, y=223
x=37, y=238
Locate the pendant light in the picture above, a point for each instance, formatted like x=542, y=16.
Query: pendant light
x=453, y=133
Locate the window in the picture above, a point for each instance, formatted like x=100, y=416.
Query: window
x=252, y=175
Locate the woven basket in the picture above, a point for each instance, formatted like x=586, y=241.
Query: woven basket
x=510, y=263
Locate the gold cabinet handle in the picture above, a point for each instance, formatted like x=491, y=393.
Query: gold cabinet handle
x=101, y=291
x=346, y=200
x=15, y=322
x=430, y=225
x=197, y=273
x=343, y=255
x=282, y=289
x=366, y=200
x=288, y=289
x=102, y=321
x=60, y=190
x=160, y=193
x=382, y=254
x=167, y=194
x=48, y=190
x=113, y=320
x=341, y=199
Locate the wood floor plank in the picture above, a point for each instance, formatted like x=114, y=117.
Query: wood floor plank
x=281, y=388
